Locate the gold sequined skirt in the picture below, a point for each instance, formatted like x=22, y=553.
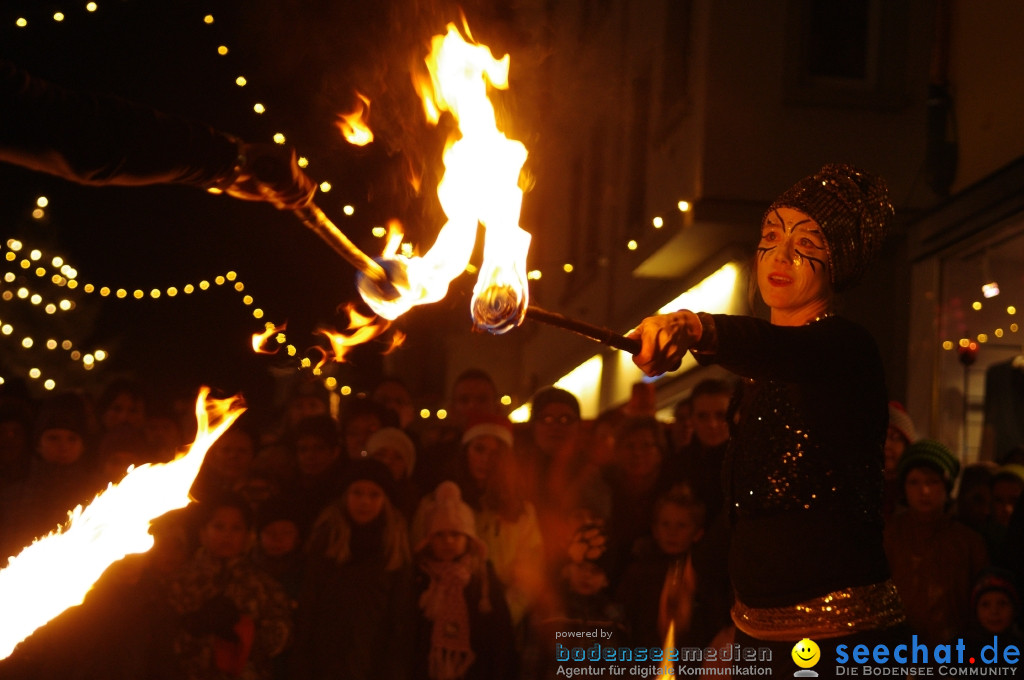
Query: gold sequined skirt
x=841, y=612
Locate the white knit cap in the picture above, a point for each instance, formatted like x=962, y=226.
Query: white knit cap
x=393, y=438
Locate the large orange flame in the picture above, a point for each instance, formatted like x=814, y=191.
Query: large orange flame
x=480, y=186
x=57, y=571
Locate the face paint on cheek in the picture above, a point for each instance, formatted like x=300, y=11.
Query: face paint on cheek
x=762, y=252
x=814, y=261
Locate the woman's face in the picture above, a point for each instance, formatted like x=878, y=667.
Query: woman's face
x=364, y=501
x=792, y=267
x=125, y=408
x=481, y=454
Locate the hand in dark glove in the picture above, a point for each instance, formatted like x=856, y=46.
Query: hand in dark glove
x=217, y=616
x=270, y=172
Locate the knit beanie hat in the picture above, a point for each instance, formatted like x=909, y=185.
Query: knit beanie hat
x=393, y=438
x=853, y=210
x=899, y=419
x=444, y=510
x=496, y=426
x=996, y=579
x=931, y=454
x=369, y=470
x=553, y=395
x=1011, y=470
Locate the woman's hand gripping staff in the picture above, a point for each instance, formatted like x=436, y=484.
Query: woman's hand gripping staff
x=665, y=339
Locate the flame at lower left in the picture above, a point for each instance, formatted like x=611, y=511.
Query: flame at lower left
x=56, y=572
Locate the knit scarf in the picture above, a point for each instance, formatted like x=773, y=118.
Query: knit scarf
x=444, y=604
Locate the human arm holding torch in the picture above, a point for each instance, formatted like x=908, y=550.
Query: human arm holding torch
x=666, y=338
x=99, y=139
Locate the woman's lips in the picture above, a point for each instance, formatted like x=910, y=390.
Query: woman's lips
x=778, y=279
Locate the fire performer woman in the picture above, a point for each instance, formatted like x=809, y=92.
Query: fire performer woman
x=95, y=139
x=804, y=467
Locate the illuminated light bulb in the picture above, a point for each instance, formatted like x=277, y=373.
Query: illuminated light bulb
x=346, y=390
x=57, y=279
x=35, y=255
x=990, y=289
x=280, y=338
x=58, y=16
x=188, y=288
x=23, y=293
x=379, y=232
x=122, y=293
x=684, y=206
x=632, y=245
x=155, y=293
x=349, y=210
x=259, y=108
x=88, y=360
x=441, y=414
x=14, y=244
x=247, y=300
x=36, y=299
x=982, y=337
x=88, y=367
x=50, y=308
x=2, y=381
x=291, y=350
x=42, y=202
x=1013, y=328
x=34, y=373
x=40, y=272
x=76, y=355
x=9, y=277
x=203, y=285
x=305, y=362
x=303, y=162
x=66, y=345
x=317, y=371
x=11, y=257
x=219, y=280
x=51, y=344
x=257, y=313
x=138, y=294
x=325, y=187
x=998, y=332
x=506, y=400
x=104, y=291
x=331, y=382
x=239, y=286
x=172, y=291
x=27, y=343
x=100, y=355
x=1011, y=310
x=57, y=261
x=72, y=284
x=69, y=272
x=948, y=344
x=7, y=295
x=964, y=342
x=658, y=222
x=424, y=413
x=49, y=384
x=21, y=22
x=240, y=81
x=90, y=7
x=208, y=19
x=534, y=274
x=6, y=329
x=65, y=305
x=222, y=50
x=25, y=264
x=278, y=138
x=976, y=305
x=567, y=268
x=230, y=276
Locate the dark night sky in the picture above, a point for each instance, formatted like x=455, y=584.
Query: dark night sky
x=302, y=60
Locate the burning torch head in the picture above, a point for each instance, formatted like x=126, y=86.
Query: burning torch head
x=379, y=293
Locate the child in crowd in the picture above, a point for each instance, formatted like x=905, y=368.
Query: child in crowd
x=394, y=448
x=464, y=629
x=995, y=603
x=278, y=548
x=583, y=606
x=355, y=613
x=934, y=559
x=659, y=584
x=900, y=434
x=235, y=618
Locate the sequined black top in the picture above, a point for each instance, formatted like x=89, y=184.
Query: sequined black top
x=803, y=473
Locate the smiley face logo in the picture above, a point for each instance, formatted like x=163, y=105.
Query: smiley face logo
x=806, y=653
